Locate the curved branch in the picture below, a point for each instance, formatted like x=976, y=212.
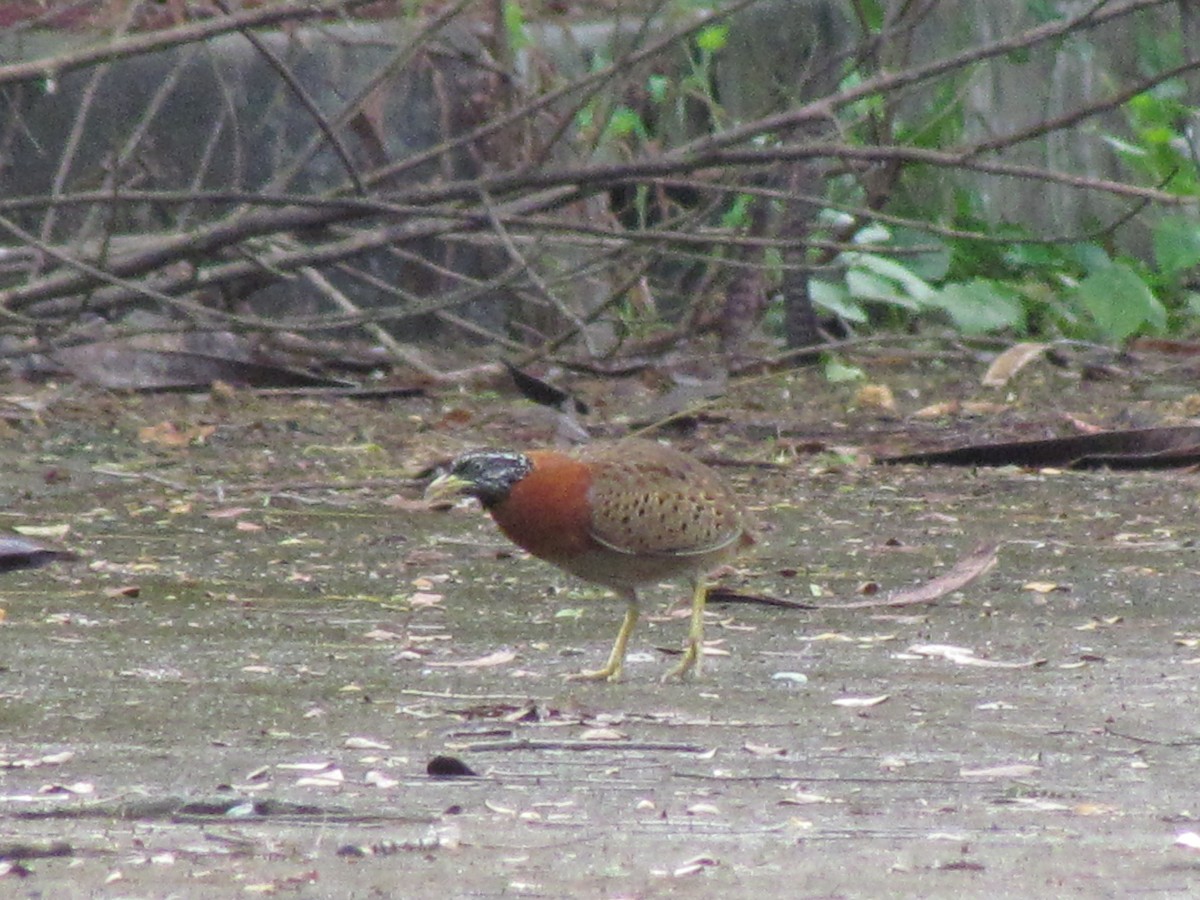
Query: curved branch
x=51, y=68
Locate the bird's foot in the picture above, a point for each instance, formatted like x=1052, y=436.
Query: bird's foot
x=608, y=673
x=689, y=665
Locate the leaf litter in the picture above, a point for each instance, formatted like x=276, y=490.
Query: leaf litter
x=725, y=687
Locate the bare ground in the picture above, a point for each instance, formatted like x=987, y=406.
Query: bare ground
x=238, y=690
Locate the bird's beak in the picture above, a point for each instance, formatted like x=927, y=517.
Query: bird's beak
x=445, y=489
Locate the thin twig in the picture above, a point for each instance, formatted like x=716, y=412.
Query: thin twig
x=609, y=746
x=306, y=100
x=389, y=343
x=530, y=272
x=52, y=67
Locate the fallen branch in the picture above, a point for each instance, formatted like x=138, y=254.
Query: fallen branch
x=530, y=744
x=978, y=562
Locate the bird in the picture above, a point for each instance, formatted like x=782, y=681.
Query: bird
x=620, y=514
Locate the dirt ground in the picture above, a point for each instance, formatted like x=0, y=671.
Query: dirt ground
x=239, y=688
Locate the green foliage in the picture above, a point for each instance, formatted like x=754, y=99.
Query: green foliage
x=515, y=26
x=623, y=122
x=1029, y=289
x=872, y=12
x=1176, y=245
x=837, y=370
x=1160, y=150
x=738, y=213
x=1120, y=303
x=712, y=38
x=981, y=306
x=1006, y=279
x=967, y=272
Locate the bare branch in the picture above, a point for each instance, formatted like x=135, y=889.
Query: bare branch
x=52, y=68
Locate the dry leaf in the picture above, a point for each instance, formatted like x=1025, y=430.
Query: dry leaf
x=603, y=734
x=959, y=408
x=331, y=778
x=1044, y=587
x=965, y=656
x=1097, y=624
x=231, y=512
x=1094, y=809
x=305, y=767
x=800, y=798
x=794, y=677
x=1188, y=839
x=692, y=866
x=425, y=599
x=875, y=396
x=382, y=634
x=167, y=434
x=362, y=743
x=499, y=658
x=379, y=780
x=764, y=750
x=52, y=759
x=1005, y=366
x=79, y=787
x=1038, y=804
x=861, y=702
x=46, y=532
x=1015, y=770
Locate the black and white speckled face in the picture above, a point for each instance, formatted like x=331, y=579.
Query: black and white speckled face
x=490, y=474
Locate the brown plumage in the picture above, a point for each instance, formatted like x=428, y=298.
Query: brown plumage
x=621, y=515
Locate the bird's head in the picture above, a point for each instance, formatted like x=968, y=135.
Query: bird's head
x=487, y=475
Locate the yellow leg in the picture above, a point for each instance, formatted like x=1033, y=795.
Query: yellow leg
x=616, y=659
x=692, y=654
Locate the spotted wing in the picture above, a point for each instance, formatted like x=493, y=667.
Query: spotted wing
x=649, y=499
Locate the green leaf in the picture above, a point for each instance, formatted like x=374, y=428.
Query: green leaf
x=738, y=213
x=872, y=12
x=1176, y=244
x=835, y=298
x=981, y=306
x=928, y=256
x=873, y=233
x=657, y=87
x=1044, y=11
x=712, y=38
x=905, y=277
x=1120, y=303
x=909, y=282
x=1092, y=257
x=868, y=286
x=624, y=122
x=514, y=25
x=837, y=371
x=1123, y=146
